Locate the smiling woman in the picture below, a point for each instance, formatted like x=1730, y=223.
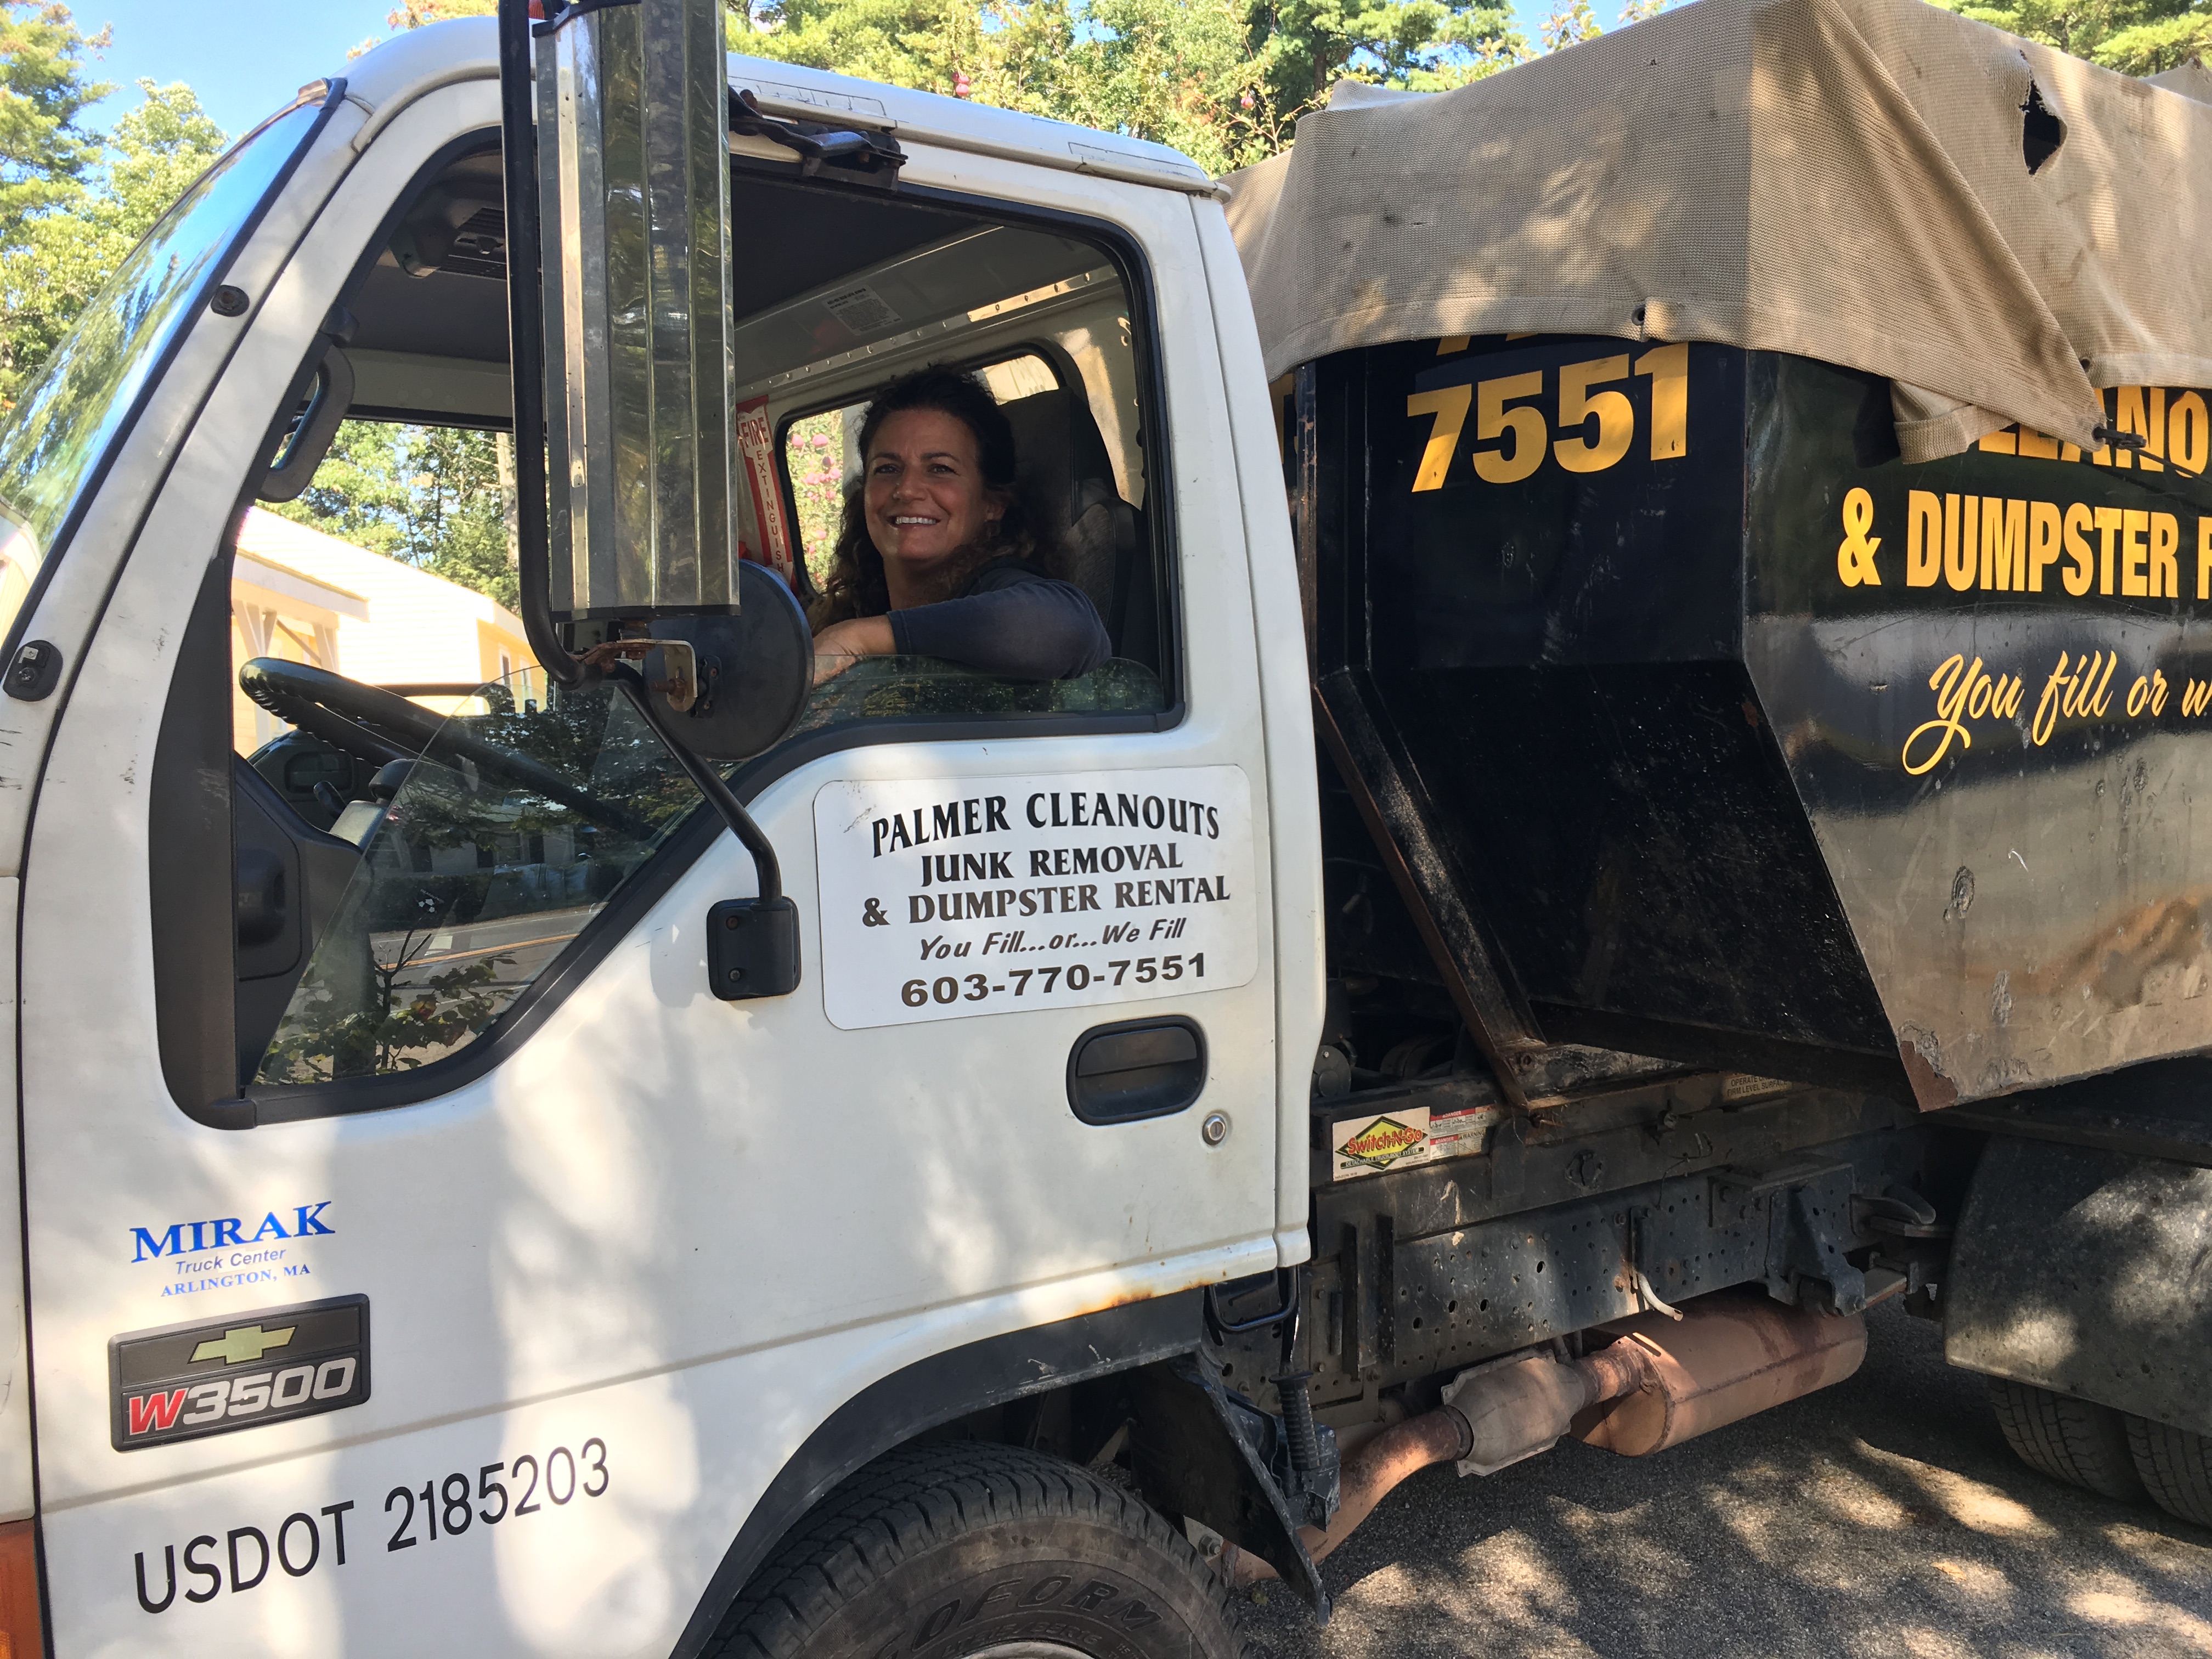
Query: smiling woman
x=940, y=556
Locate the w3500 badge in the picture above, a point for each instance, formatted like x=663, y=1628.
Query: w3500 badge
x=216, y=1377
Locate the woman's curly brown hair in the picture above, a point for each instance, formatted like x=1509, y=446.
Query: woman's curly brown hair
x=855, y=585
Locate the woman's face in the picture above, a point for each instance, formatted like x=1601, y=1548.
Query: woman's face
x=925, y=497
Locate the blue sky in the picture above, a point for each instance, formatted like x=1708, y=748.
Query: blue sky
x=243, y=57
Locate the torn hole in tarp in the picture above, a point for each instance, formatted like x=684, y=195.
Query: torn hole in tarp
x=2041, y=132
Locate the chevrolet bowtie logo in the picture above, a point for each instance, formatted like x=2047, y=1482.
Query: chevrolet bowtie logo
x=243, y=1345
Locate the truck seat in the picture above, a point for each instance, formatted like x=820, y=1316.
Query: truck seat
x=1064, y=467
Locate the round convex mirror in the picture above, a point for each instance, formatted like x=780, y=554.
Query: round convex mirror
x=755, y=670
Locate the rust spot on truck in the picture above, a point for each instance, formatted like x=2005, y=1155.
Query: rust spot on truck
x=1126, y=1298
x=1921, y=1054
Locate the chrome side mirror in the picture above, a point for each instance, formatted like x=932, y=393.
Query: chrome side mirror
x=633, y=192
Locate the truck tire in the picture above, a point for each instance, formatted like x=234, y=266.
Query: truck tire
x=2076, y=1441
x=2175, y=1467
x=931, y=1552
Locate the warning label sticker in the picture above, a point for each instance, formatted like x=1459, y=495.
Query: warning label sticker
x=1404, y=1136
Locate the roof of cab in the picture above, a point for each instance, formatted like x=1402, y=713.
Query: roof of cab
x=955, y=124
x=395, y=73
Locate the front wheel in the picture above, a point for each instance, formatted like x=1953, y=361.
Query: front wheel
x=942, y=1551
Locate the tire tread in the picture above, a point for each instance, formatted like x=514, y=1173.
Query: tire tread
x=2076, y=1441
x=2175, y=1467
x=910, y=1500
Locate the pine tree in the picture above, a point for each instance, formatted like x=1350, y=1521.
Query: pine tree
x=2135, y=37
x=46, y=160
x=43, y=154
x=58, y=258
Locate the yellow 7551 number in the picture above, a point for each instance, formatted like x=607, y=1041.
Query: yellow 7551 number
x=1516, y=437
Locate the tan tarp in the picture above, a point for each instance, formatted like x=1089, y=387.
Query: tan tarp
x=2191, y=79
x=1839, y=179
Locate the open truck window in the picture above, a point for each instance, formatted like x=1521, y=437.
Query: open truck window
x=1050, y=324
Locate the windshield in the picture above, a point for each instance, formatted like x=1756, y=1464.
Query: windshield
x=66, y=424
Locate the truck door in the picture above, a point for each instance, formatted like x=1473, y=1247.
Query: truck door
x=466, y=1295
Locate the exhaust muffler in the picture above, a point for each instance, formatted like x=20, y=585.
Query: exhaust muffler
x=1661, y=1381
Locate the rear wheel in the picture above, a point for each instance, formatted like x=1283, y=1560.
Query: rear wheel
x=938, y=1553
x=2175, y=1467
x=2076, y=1441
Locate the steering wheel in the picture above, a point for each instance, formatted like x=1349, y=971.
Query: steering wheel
x=380, y=727
x=365, y=721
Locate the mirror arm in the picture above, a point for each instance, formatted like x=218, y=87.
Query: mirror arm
x=709, y=782
x=752, y=944
x=525, y=320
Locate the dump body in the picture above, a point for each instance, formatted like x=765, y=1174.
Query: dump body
x=1707, y=727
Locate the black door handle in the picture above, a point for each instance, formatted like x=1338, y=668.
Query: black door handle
x=1136, y=1069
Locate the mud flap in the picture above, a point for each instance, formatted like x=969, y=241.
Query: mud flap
x=2085, y=1271
x=1195, y=1449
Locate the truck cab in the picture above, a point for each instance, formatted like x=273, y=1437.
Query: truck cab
x=546, y=1214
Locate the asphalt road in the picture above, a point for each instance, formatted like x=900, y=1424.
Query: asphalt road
x=1884, y=1516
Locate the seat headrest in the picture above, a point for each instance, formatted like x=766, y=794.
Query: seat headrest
x=1044, y=458
x=1062, y=464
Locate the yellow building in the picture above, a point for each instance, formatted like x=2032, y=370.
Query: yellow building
x=307, y=597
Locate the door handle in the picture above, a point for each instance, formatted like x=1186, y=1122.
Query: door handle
x=260, y=896
x=1136, y=1068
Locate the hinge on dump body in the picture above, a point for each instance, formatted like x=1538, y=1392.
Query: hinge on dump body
x=1808, y=1211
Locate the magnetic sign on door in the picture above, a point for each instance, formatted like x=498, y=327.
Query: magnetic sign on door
x=946, y=897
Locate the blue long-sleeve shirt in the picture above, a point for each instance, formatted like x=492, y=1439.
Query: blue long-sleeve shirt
x=1012, y=621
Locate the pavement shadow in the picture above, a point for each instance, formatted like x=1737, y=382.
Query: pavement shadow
x=1883, y=1517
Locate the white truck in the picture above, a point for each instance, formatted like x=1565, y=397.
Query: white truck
x=671, y=1160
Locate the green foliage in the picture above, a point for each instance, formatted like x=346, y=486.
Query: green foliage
x=1225, y=81
x=930, y=44
x=2135, y=37
x=406, y=1017
x=1427, y=45
x=1222, y=80
x=43, y=154
x=1570, y=22
x=356, y=494
x=551, y=808
x=1179, y=72
x=53, y=257
x=56, y=260
x=414, y=14
x=814, y=454
x=430, y=496
x=2160, y=44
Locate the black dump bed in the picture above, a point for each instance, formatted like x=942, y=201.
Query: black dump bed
x=1700, y=724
